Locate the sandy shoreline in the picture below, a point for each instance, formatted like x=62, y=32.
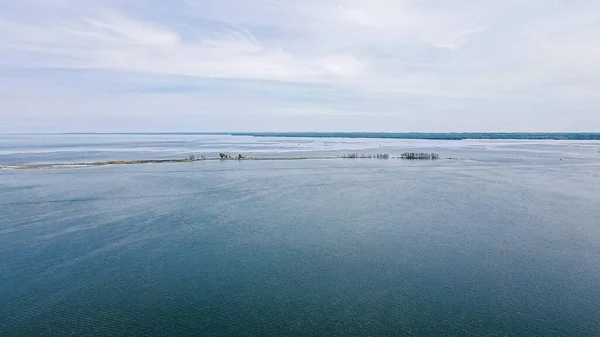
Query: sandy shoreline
x=147, y=161
x=191, y=160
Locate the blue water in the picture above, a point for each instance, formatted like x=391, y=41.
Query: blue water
x=502, y=240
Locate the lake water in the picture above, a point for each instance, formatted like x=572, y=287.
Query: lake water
x=501, y=240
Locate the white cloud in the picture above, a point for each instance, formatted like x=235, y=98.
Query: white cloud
x=112, y=41
x=524, y=51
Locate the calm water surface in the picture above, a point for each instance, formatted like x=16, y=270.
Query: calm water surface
x=504, y=241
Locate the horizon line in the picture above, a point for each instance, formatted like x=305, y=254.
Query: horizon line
x=303, y=132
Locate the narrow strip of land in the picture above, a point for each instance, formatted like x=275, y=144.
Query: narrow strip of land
x=142, y=161
x=222, y=157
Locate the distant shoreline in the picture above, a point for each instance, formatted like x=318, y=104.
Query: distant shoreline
x=430, y=136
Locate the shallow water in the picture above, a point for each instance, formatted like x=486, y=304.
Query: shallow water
x=503, y=241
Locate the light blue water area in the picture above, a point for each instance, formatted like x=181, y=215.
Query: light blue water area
x=75, y=148
x=504, y=241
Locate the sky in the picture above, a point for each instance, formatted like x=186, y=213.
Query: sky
x=299, y=65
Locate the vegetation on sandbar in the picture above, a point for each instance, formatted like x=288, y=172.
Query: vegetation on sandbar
x=226, y=156
x=421, y=155
x=366, y=156
x=407, y=155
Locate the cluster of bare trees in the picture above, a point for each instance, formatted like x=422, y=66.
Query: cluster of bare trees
x=366, y=156
x=226, y=156
x=426, y=156
x=194, y=158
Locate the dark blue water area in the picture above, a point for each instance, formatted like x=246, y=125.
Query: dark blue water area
x=302, y=248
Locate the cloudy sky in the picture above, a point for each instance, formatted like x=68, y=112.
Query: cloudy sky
x=299, y=65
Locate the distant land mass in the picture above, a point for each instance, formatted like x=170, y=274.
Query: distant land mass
x=431, y=136
x=389, y=135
